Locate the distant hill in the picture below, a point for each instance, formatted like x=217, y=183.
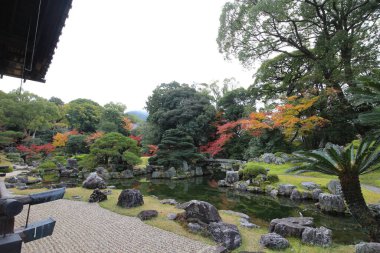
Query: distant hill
x=142, y=115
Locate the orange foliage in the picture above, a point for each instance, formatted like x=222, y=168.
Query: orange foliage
x=92, y=137
x=127, y=124
x=292, y=118
x=60, y=139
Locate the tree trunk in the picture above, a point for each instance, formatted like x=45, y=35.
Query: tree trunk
x=354, y=198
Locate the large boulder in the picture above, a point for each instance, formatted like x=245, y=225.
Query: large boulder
x=130, y=198
x=274, y=241
x=147, y=214
x=367, y=247
x=97, y=196
x=375, y=209
x=291, y=226
x=126, y=174
x=232, y=177
x=201, y=212
x=226, y=234
x=315, y=194
x=103, y=173
x=295, y=195
x=310, y=186
x=335, y=187
x=198, y=171
x=285, y=189
x=317, y=236
x=93, y=181
x=171, y=172
x=241, y=186
x=331, y=203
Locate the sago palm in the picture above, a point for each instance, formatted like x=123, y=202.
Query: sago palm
x=348, y=164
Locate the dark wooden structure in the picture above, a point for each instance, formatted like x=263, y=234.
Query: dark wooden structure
x=29, y=33
x=10, y=206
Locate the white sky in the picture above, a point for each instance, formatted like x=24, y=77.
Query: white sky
x=120, y=50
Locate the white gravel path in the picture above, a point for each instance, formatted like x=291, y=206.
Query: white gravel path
x=85, y=227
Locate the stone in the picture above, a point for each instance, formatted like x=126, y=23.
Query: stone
x=107, y=192
x=375, y=209
x=11, y=180
x=226, y=234
x=222, y=183
x=367, y=247
x=315, y=194
x=232, y=177
x=274, y=241
x=201, y=211
x=97, y=196
x=22, y=187
x=291, y=226
x=335, y=187
x=157, y=174
x=115, y=175
x=306, y=195
x=126, y=174
x=72, y=163
x=147, y=214
x=273, y=193
x=198, y=171
x=103, y=173
x=130, y=198
x=255, y=189
x=317, y=236
x=76, y=197
x=331, y=203
x=295, y=195
x=111, y=187
x=194, y=227
x=171, y=172
x=245, y=223
x=285, y=189
x=9, y=186
x=93, y=181
x=185, y=166
x=310, y=186
x=171, y=216
x=238, y=214
x=169, y=202
x=241, y=186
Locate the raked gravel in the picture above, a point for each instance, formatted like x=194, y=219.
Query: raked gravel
x=84, y=227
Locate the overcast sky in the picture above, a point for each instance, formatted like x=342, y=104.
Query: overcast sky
x=120, y=50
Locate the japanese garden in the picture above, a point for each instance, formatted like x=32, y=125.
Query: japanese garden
x=287, y=163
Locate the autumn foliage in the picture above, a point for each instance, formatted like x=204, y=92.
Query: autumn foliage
x=127, y=124
x=60, y=139
x=36, y=149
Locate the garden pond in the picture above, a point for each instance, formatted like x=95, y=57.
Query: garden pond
x=261, y=208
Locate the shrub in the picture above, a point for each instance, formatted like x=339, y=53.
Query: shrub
x=252, y=170
x=273, y=178
x=76, y=144
x=7, y=170
x=14, y=157
x=58, y=159
x=87, y=161
x=47, y=165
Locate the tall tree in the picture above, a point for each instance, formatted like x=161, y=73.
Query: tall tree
x=336, y=39
x=176, y=106
x=83, y=114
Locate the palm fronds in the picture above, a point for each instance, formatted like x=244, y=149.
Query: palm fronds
x=336, y=161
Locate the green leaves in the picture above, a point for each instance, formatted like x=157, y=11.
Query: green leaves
x=337, y=161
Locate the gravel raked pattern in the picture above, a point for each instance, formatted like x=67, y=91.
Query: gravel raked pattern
x=84, y=227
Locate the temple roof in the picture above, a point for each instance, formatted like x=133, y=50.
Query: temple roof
x=29, y=33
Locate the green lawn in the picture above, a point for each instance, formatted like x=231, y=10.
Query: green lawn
x=322, y=179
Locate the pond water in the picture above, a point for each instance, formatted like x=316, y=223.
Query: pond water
x=261, y=208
